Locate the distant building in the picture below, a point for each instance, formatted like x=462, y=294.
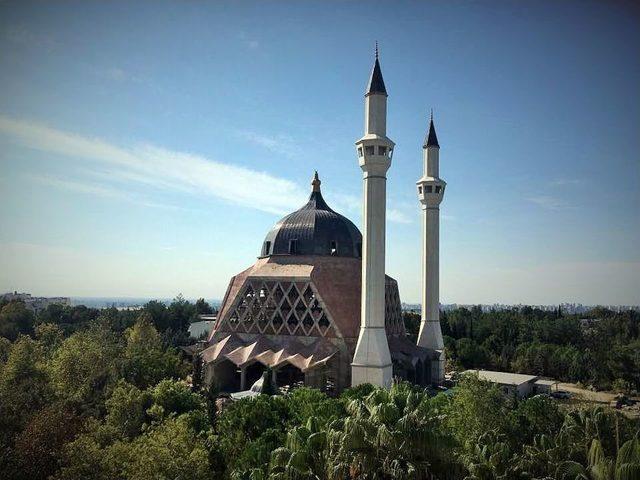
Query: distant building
x=203, y=327
x=35, y=304
x=516, y=384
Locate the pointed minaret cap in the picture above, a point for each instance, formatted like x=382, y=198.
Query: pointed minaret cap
x=431, y=140
x=315, y=183
x=376, y=82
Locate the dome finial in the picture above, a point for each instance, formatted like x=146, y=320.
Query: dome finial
x=315, y=183
x=431, y=115
x=376, y=49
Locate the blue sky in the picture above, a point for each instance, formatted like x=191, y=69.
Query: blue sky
x=145, y=150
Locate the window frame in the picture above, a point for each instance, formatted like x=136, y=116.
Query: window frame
x=293, y=246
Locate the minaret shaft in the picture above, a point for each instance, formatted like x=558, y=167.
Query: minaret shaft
x=373, y=251
x=375, y=115
x=430, y=334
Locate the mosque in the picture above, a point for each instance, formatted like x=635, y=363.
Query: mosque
x=317, y=307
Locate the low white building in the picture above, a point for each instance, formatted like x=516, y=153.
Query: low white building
x=516, y=384
x=203, y=328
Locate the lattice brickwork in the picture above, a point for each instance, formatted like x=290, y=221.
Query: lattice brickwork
x=279, y=308
x=392, y=309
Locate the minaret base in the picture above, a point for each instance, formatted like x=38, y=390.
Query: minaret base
x=437, y=369
x=372, y=360
x=380, y=376
x=430, y=336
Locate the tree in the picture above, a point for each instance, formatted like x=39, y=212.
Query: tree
x=39, y=446
x=181, y=312
x=175, y=397
x=50, y=337
x=127, y=409
x=159, y=314
x=197, y=372
x=303, y=455
x=85, y=365
x=249, y=430
x=392, y=433
x=305, y=403
x=476, y=408
x=169, y=450
x=202, y=307
x=470, y=354
x=5, y=350
x=625, y=466
x=24, y=387
x=15, y=319
x=145, y=361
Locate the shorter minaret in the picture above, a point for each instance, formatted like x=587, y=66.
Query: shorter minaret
x=372, y=360
x=430, y=193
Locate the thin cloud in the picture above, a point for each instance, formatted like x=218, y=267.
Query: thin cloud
x=120, y=75
x=353, y=204
x=548, y=202
x=165, y=169
x=397, y=216
x=96, y=190
x=282, y=144
x=561, y=182
x=250, y=43
x=21, y=35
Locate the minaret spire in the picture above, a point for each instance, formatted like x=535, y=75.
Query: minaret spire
x=431, y=139
x=376, y=82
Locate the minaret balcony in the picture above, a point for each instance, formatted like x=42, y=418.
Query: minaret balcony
x=374, y=151
x=430, y=191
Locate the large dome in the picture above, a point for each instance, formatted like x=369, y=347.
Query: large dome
x=314, y=229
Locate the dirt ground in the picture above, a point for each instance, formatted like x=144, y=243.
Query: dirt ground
x=587, y=395
x=581, y=395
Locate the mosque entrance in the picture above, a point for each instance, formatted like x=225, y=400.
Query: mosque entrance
x=226, y=375
x=289, y=375
x=252, y=374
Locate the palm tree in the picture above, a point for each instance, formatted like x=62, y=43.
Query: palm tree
x=303, y=456
x=390, y=434
x=625, y=467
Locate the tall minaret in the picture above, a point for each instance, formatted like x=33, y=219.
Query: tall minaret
x=372, y=361
x=430, y=193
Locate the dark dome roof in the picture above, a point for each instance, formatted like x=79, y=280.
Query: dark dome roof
x=314, y=229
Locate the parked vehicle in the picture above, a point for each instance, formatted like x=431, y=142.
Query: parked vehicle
x=561, y=394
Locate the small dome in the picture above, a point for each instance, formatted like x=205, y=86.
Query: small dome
x=314, y=229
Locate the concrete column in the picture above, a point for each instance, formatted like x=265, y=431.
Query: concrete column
x=243, y=378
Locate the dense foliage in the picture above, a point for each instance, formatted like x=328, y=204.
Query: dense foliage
x=601, y=348
x=105, y=397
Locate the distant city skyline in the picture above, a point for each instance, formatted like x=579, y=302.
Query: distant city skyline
x=147, y=149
